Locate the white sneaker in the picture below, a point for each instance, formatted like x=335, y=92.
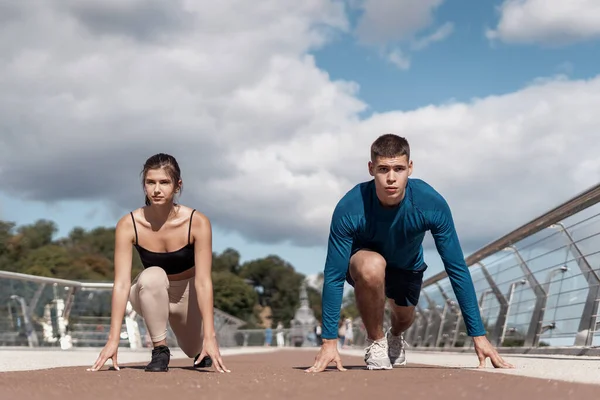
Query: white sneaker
x=396, y=352
x=376, y=355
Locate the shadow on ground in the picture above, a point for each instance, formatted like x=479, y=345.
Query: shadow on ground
x=363, y=367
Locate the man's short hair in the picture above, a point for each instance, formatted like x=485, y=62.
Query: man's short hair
x=389, y=146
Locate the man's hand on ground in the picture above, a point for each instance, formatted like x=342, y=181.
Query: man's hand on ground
x=484, y=349
x=326, y=356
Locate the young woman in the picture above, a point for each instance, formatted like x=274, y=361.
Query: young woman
x=175, y=246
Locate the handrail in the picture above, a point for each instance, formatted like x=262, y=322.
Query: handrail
x=44, y=279
x=93, y=285
x=570, y=207
x=229, y=317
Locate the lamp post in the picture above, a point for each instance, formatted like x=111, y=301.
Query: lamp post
x=501, y=317
x=540, y=299
x=32, y=338
x=482, y=298
x=562, y=269
x=511, y=293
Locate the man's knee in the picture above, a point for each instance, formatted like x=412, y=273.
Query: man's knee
x=368, y=267
x=403, y=314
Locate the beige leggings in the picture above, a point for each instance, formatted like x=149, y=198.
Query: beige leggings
x=159, y=301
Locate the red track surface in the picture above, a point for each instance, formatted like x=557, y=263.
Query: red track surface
x=280, y=375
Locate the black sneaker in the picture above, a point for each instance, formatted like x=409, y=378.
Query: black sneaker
x=160, y=360
x=206, y=362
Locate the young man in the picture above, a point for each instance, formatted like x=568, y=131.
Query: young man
x=375, y=244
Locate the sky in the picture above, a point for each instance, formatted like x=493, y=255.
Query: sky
x=270, y=108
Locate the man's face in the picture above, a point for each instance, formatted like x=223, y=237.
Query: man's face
x=391, y=176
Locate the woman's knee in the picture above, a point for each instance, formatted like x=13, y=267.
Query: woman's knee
x=153, y=278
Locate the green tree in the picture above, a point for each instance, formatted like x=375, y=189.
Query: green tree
x=232, y=295
x=278, y=285
x=38, y=234
x=228, y=260
x=7, y=258
x=49, y=260
x=92, y=267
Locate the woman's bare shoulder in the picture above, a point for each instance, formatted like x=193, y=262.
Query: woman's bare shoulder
x=126, y=221
x=199, y=219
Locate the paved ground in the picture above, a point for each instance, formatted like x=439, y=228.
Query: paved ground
x=27, y=359
x=277, y=375
x=580, y=369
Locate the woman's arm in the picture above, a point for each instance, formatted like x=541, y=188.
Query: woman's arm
x=202, y=233
x=123, y=252
x=204, y=288
x=122, y=282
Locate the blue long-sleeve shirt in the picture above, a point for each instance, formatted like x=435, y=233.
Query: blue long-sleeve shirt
x=360, y=221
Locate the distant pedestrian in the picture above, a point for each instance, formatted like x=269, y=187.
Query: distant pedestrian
x=268, y=336
x=280, y=335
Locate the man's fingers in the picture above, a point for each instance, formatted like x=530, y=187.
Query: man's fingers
x=338, y=363
x=482, y=358
x=314, y=368
x=500, y=363
x=505, y=364
x=320, y=365
x=497, y=361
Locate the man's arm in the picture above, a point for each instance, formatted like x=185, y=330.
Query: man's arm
x=336, y=265
x=448, y=246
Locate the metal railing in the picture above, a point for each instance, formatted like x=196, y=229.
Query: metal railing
x=39, y=311
x=537, y=286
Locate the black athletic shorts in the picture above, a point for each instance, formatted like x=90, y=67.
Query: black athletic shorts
x=401, y=285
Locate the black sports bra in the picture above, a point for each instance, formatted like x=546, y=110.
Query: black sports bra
x=173, y=262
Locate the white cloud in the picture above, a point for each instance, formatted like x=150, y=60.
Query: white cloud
x=439, y=35
x=566, y=68
x=499, y=161
x=554, y=22
x=268, y=143
x=386, y=21
x=399, y=59
x=391, y=24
